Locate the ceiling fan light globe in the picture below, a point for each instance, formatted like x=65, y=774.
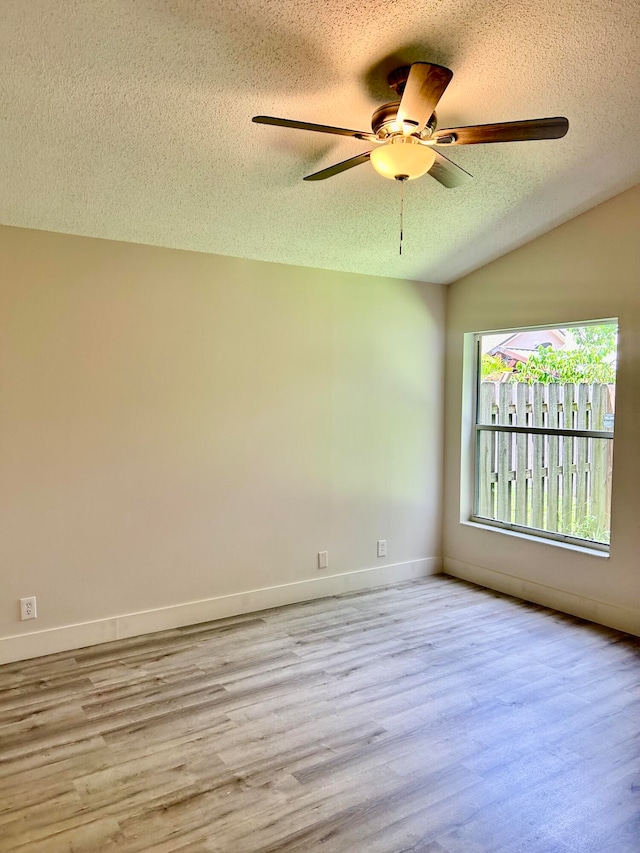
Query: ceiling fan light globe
x=402, y=157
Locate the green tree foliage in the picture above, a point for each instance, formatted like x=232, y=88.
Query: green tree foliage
x=493, y=368
x=601, y=340
x=589, y=362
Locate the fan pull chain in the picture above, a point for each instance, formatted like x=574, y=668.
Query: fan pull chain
x=403, y=180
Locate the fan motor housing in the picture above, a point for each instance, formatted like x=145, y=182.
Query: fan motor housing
x=383, y=121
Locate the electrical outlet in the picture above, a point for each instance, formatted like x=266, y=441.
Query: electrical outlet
x=382, y=547
x=323, y=559
x=28, y=608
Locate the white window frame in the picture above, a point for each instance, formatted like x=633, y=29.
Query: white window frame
x=546, y=535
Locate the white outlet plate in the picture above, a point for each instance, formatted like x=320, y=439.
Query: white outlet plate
x=323, y=559
x=382, y=547
x=28, y=609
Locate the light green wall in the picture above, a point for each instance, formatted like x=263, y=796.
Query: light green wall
x=177, y=427
x=587, y=269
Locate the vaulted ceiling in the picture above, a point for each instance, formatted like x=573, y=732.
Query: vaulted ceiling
x=132, y=121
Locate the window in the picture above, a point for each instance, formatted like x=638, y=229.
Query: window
x=544, y=419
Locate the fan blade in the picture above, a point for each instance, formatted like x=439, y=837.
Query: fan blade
x=319, y=128
x=424, y=88
x=448, y=173
x=508, y=131
x=339, y=167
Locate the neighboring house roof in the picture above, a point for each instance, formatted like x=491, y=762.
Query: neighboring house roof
x=511, y=355
x=518, y=346
x=530, y=339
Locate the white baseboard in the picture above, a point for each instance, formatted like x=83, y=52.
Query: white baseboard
x=69, y=637
x=603, y=613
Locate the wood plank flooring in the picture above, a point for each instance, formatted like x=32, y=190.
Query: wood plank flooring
x=433, y=716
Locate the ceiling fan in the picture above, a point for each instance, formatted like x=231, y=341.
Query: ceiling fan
x=405, y=131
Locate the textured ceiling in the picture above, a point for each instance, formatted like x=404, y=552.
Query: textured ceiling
x=132, y=121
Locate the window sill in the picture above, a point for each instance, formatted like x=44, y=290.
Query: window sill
x=541, y=540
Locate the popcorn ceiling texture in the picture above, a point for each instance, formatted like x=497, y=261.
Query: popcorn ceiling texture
x=132, y=121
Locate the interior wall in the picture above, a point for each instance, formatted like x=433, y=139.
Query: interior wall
x=181, y=433
x=587, y=269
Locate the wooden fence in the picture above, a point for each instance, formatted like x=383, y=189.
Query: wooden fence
x=556, y=483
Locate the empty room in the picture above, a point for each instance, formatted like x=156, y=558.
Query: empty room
x=319, y=426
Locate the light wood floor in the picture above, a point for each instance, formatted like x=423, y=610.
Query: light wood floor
x=432, y=716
